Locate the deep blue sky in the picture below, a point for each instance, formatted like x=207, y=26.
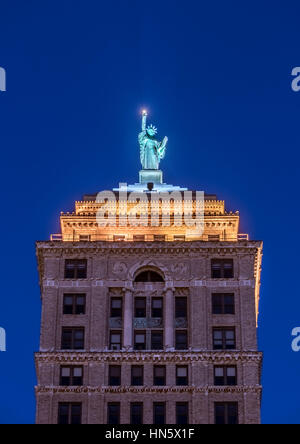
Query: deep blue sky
x=216, y=78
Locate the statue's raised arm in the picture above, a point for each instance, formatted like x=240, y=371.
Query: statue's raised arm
x=144, y=120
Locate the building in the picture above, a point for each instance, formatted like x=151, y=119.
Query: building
x=149, y=324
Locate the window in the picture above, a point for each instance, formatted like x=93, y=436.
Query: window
x=224, y=338
x=159, y=375
x=148, y=276
x=179, y=238
x=72, y=339
x=223, y=303
x=180, y=307
x=226, y=413
x=159, y=413
x=114, y=375
x=213, y=237
x=181, y=375
x=74, y=304
x=181, y=340
x=69, y=413
x=136, y=413
x=140, y=340
x=159, y=238
x=157, y=340
x=115, y=340
x=221, y=268
x=225, y=375
x=118, y=238
x=157, y=308
x=116, y=308
x=71, y=376
x=137, y=375
x=182, y=413
x=138, y=238
x=75, y=268
x=113, y=413
x=84, y=237
x=140, y=307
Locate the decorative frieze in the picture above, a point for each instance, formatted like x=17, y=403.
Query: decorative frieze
x=150, y=389
x=175, y=357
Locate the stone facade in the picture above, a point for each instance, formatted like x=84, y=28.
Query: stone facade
x=186, y=271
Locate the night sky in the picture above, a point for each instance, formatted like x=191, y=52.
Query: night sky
x=216, y=79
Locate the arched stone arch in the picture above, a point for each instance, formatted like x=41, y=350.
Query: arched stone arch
x=149, y=264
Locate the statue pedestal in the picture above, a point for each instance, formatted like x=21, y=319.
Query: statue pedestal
x=154, y=176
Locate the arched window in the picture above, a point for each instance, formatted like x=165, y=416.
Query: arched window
x=149, y=276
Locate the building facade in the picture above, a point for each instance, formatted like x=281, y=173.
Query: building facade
x=149, y=324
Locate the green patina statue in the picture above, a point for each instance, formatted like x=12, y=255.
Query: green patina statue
x=151, y=150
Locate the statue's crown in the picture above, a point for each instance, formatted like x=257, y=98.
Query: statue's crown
x=153, y=128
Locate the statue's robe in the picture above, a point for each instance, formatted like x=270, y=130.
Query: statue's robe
x=149, y=152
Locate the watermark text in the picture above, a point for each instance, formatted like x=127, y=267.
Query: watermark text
x=2, y=79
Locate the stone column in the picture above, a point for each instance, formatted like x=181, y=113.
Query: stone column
x=128, y=320
x=169, y=319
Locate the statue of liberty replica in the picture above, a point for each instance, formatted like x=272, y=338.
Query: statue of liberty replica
x=151, y=152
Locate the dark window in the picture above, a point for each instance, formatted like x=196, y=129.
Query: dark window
x=221, y=268
x=118, y=238
x=74, y=304
x=115, y=340
x=213, y=237
x=159, y=237
x=75, y=268
x=157, y=340
x=137, y=375
x=180, y=307
x=181, y=375
x=113, y=413
x=138, y=237
x=182, y=413
x=71, y=376
x=140, y=340
x=84, y=237
x=224, y=338
x=149, y=276
x=159, y=413
x=69, y=413
x=159, y=375
x=140, y=307
x=181, y=340
x=157, y=308
x=179, y=238
x=72, y=338
x=223, y=303
x=116, y=308
x=225, y=375
x=114, y=375
x=136, y=413
x=226, y=413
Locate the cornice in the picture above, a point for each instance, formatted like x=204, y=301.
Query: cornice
x=150, y=389
x=61, y=248
x=124, y=284
x=125, y=356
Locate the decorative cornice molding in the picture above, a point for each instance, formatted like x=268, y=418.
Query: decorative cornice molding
x=169, y=285
x=174, y=248
x=150, y=389
x=126, y=356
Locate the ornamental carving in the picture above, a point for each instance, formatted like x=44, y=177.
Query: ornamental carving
x=119, y=269
x=179, y=269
